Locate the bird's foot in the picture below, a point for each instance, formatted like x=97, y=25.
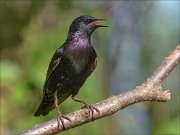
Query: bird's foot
x=61, y=121
x=91, y=108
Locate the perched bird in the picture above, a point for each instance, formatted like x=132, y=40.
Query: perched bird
x=69, y=68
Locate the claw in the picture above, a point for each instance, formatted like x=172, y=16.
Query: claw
x=60, y=120
x=91, y=108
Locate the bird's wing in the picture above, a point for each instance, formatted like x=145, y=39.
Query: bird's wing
x=93, y=67
x=55, y=61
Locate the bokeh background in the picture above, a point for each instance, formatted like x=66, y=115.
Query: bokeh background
x=139, y=36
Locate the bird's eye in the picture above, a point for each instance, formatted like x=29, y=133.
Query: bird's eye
x=88, y=20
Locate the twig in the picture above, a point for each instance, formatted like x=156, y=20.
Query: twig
x=150, y=90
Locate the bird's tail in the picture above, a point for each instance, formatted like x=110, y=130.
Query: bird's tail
x=44, y=107
x=47, y=105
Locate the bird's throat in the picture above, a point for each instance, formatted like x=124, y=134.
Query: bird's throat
x=80, y=44
x=80, y=51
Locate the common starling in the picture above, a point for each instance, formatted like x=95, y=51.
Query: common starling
x=69, y=68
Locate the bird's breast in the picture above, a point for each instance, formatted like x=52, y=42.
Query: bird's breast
x=81, y=59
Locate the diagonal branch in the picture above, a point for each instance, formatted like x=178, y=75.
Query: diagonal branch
x=150, y=90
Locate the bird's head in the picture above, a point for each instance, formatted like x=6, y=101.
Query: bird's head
x=85, y=24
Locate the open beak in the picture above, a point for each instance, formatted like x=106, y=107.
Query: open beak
x=96, y=21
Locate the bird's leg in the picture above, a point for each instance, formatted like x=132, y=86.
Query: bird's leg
x=60, y=116
x=86, y=104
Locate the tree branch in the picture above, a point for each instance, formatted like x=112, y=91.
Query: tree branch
x=150, y=90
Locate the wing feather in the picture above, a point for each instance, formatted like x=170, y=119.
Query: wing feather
x=55, y=61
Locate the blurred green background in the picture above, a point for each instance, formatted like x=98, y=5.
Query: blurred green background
x=139, y=36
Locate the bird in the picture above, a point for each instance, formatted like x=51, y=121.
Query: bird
x=70, y=66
